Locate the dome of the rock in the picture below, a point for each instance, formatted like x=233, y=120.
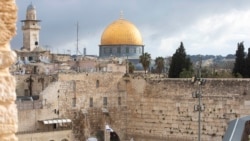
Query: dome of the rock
x=121, y=38
x=121, y=32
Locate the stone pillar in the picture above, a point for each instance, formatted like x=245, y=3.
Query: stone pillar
x=8, y=111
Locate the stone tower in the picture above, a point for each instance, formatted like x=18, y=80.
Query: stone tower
x=30, y=29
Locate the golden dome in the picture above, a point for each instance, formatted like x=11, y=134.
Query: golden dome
x=121, y=32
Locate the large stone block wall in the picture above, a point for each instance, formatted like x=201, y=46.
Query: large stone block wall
x=8, y=112
x=150, y=109
x=161, y=109
x=164, y=109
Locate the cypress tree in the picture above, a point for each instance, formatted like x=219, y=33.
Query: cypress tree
x=179, y=62
x=247, y=69
x=239, y=65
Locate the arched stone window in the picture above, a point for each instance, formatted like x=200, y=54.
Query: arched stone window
x=105, y=101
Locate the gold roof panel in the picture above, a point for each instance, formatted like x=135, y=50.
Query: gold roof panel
x=121, y=32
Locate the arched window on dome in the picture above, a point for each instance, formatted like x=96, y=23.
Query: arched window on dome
x=105, y=50
x=119, y=50
x=127, y=50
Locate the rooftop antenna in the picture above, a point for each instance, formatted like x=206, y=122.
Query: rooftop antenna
x=77, y=40
x=77, y=28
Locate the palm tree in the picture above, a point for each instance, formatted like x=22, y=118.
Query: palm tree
x=160, y=64
x=145, y=61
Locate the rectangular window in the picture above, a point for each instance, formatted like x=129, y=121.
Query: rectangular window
x=119, y=101
x=91, y=102
x=30, y=58
x=110, y=50
x=119, y=50
x=134, y=50
x=73, y=102
x=127, y=50
x=97, y=83
x=105, y=101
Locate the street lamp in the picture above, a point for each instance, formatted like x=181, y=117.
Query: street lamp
x=198, y=94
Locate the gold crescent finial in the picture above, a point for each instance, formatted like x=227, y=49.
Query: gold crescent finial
x=121, y=14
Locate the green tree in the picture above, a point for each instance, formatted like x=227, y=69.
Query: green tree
x=186, y=73
x=180, y=62
x=131, y=67
x=160, y=64
x=145, y=59
x=239, y=65
x=247, y=67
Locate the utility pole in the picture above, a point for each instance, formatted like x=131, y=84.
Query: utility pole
x=198, y=94
x=199, y=106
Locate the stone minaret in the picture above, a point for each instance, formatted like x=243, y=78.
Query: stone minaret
x=8, y=111
x=30, y=29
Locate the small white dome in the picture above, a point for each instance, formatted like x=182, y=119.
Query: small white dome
x=31, y=7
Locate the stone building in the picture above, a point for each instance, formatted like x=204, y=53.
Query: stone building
x=32, y=57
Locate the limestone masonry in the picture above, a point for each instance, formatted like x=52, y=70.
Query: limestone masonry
x=8, y=112
x=140, y=107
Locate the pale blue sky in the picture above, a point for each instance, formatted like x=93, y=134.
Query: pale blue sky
x=204, y=26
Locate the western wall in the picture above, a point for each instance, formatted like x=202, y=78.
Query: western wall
x=160, y=108
x=141, y=107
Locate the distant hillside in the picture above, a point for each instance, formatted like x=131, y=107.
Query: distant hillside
x=195, y=58
x=219, y=61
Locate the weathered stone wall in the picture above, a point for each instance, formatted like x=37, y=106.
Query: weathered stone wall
x=165, y=108
x=160, y=109
x=157, y=109
x=89, y=120
x=8, y=112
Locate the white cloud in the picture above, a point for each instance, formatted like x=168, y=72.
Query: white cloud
x=216, y=34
